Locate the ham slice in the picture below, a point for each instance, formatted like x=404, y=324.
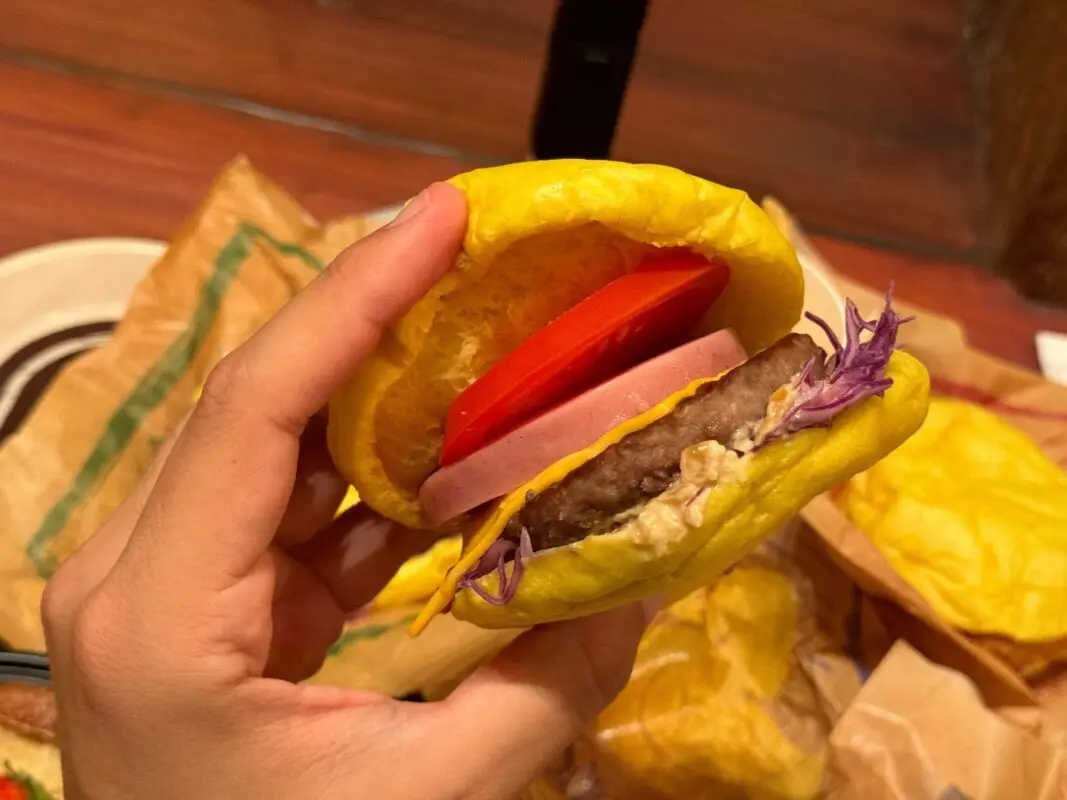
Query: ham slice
x=510, y=461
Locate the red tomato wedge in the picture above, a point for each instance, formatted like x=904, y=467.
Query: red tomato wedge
x=622, y=324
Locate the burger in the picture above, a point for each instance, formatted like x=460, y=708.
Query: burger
x=604, y=394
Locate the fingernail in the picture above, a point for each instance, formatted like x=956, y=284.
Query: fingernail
x=651, y=606
x=324, y=486
x=366, y=537
x=414, y=208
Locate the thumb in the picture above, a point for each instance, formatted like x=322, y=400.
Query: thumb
x=512, y=717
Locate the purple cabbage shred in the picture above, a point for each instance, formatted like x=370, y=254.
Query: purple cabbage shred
x=496, y=559
x=853, y=372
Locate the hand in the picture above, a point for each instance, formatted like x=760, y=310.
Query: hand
x=178, y=632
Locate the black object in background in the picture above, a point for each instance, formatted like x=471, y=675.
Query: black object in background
x=591, y=52
x=24, y=668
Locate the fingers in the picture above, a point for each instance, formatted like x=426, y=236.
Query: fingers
x=223, y=492
x=534, y=699
x=357, y=555
x=306, y=621
x=317, y=490
x=301, y=356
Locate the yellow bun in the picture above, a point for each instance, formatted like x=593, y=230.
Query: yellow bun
x=973, y=515
x=542, y=236
x=609, y=570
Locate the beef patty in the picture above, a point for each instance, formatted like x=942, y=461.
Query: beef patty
x=643, y=464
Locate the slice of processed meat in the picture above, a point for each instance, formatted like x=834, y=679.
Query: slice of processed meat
x=510, y=461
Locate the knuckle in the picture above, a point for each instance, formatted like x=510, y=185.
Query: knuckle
x=225, y=384
x=95, y=646
x=347, y=277
x=338, y=273
x=57, y=601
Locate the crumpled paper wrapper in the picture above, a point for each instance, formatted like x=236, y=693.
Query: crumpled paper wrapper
x=1009, y=674
x=919, y=731
x=783, y=647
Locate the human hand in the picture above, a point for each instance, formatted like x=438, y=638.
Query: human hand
x=178, y=631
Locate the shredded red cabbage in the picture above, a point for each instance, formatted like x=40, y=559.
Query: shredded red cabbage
x=496, y=558
x=853, y=372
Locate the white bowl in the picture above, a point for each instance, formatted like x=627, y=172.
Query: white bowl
x=69, y=282
x=57, y=301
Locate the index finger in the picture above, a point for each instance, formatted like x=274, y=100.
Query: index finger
x=219, y=499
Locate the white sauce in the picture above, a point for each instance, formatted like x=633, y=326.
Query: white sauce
x=667, y=518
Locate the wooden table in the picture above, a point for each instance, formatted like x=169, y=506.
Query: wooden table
x=81, y=158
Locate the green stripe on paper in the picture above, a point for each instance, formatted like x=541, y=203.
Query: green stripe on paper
x=367, y=632
x=154, y=386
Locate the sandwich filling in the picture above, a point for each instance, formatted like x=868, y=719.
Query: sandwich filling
x=593, y=498
x=653, y=481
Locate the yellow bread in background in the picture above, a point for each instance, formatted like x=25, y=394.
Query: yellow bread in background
x=609, y=570
x=973, y=515
x=693, y=720
x=542, y=236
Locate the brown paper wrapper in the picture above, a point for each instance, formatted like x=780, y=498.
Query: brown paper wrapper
x=240, y=257
x=920, y=732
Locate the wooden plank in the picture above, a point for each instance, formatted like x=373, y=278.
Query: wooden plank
x=78, y=158
x=462, y=73
x=856, y=114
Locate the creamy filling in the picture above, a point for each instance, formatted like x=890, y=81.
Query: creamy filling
x=664, y=520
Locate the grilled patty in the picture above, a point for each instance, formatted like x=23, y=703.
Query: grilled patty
x=645, y=463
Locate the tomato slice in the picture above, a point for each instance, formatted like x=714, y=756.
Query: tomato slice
x=624, y=323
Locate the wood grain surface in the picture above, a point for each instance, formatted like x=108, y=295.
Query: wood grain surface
x=856, y=114
x=996, y=318
x=79, y=158
x=461, y=72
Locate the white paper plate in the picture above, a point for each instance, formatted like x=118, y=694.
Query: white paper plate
x=57, y=301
